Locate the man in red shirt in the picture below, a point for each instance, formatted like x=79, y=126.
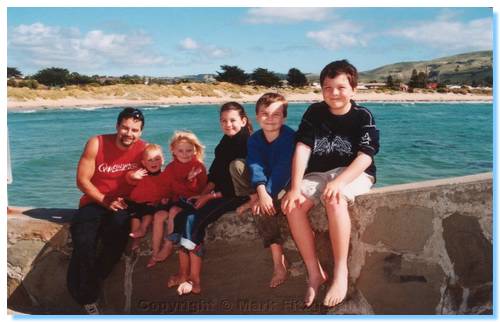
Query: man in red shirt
x=102, y=215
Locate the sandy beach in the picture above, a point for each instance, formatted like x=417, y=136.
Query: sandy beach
x=112, y=101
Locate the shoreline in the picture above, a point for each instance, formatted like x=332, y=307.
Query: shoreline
x=110, y=102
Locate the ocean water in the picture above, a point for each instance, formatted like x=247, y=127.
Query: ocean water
x=419, y=141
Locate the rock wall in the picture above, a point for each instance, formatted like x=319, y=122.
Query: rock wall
x=422, y=248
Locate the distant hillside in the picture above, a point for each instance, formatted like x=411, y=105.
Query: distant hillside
x=475, y=68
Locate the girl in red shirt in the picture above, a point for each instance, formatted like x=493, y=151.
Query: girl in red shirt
x=184, y=177
x=148, y=192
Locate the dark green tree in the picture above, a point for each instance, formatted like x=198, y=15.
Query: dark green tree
x=296, y=78
x=52, y=76
x=390, y=82
x=232, y=74
x=13, y=72
x=262, y=76
x=413, y=79
x=78, y=79
x=421, y=80
x=131, y=79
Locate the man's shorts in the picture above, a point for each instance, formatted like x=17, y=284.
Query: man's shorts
x=313, y=184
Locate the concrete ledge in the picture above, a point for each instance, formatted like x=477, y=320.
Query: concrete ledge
x=419, y=248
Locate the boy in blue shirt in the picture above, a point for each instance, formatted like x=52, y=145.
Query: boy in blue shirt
x=332, y=163
x=269, y=158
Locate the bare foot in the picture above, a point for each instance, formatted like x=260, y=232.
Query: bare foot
x=196, y=287
x=312, y=289
x=279, y=276
x=176, y=280
x=338, y=290
x=137, y=234
x=165, y=251
x=185, y=288
x=152, y=262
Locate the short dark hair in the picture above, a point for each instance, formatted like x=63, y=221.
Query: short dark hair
x=130, y=112
x=338, y=67
x=270, y=98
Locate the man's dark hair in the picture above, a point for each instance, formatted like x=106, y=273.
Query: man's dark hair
x=130, y=112
x=338, y=67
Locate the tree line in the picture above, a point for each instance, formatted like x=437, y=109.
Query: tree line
x=420, y=79
x=60, y=77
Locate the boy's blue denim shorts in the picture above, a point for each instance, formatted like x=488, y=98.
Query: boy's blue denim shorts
x=313, y=184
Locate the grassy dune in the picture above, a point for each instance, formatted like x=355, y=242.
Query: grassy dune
x=142, y=92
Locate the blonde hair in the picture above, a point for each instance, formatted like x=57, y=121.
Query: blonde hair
x=191, y=138
x=151, y=147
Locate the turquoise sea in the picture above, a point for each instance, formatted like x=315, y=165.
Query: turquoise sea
x=419, y=141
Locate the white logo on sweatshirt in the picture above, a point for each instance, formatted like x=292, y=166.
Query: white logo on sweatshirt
x=365, y=139
x=113, y=168
x=324, y=146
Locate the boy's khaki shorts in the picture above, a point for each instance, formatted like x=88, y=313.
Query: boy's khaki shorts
x=313, y=184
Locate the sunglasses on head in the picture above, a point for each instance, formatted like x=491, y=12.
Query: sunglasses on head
x=133, y=112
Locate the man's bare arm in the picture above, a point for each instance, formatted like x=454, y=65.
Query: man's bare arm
x=86, y=169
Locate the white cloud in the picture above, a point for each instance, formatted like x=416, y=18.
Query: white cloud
x=286, y=15
x=451, y=35
x=203, y=50
x=340, y=35
x=41, y=46
x=189, y=44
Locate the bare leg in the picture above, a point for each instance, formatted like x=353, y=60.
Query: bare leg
x=145, y=222
x=304, y=239
x=171, y=216
x=158, y=222
x=279, y=266
x=168, y=247
x=339, y=226
x=182, y=275
x=135, y=224
x=195, y=273
x=166, y=250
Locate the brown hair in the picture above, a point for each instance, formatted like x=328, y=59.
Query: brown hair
x=234, y=106
x=191, y=138
x=270, y=98
x=338, y=67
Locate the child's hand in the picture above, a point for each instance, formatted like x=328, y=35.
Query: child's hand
x=193, y=173
x=139, y=174
x=291, y=201
x=265, y=206
x=332, y=192
x=201, y=200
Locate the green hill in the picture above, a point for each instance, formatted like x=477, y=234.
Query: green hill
x=475, y=68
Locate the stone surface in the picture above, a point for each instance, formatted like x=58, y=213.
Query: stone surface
x=22, y=254
x=53, y=296
x=396, y=276
x=393, y=285
x=480, y=297
x=470, y=252
x=452, y=299
x=405, y=228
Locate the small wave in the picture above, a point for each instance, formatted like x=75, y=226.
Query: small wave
x=26, y=112
x=150, y=108
x=89, y=108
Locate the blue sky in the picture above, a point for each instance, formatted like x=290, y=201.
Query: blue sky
x=181, y=41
